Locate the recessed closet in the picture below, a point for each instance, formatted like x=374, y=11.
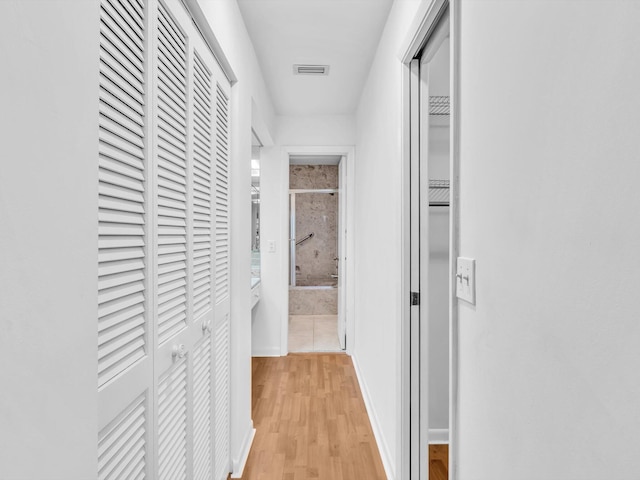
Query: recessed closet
x=163, y=251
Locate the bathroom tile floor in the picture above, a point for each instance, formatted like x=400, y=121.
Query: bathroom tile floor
x=313, y=333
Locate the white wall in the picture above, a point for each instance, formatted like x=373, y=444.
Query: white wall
x=378, y=253
x=48, y=239
x=438, y=285
x=438, y=273
x=249, y=95
x=266, y=328
x=317, y=130
x=271, y=311
x=438, y=349
x=549, y=200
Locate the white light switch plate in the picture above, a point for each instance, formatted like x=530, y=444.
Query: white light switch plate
x=272, y=246
x=466, y=279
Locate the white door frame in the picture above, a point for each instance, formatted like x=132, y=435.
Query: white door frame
x=424, y=24
x=348, y=155
x=343, y=200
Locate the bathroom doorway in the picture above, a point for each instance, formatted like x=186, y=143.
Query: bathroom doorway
x=315, y=252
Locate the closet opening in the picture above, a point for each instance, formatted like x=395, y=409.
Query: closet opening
x=435, y=81
x=429, y=338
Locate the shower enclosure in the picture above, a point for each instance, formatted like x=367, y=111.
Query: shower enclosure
x=314, y=234
x=314, y=252
x=314, y=249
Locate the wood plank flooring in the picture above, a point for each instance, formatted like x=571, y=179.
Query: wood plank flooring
x=310, y=420
x=438, y=462
x=311, y=423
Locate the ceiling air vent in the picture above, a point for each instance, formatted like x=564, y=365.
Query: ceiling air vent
x=311, y=69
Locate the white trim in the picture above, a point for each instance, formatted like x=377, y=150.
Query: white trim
x=437, y=36
x=454, y=45
x=240, y=462
x=424, y=21
x=348, y=152
x=383, y=448
x=201, y=23
x=403, y=446
x=259, y=127
x=266, y=352
x=438, y=436
x=285, y=255
x=417, y=390
x=423, y=247
x=341, y=269
x=314, y=190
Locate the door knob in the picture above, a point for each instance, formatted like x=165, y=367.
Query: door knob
x=179, y=351
x=206, y=326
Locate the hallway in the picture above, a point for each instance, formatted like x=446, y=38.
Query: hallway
x=310, y=421
x=137, y=340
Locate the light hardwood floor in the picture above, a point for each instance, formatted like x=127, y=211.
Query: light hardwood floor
x=310, y=420
x=438, y=462
x=311, y=423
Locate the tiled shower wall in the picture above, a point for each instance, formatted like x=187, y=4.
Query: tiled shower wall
x=313, y=176
x=316, y=213
x=313, y=301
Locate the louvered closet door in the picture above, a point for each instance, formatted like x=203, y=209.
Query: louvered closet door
x=203, y=67
x=211, y=436
x=184, y=215
x=221, y=330
x=163, y=339
x=173, y=320
x=125, y=374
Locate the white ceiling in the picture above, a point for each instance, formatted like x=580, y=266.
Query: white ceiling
x=343, y=34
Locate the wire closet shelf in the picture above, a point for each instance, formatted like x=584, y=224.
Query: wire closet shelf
x=438, y=193
x=439, y=105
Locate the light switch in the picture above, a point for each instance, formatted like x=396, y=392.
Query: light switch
x=271, y=246
x=466, y=279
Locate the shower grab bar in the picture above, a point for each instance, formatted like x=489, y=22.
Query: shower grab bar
x=305, y=239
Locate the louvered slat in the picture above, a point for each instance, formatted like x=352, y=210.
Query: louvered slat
x=171, y=193
x=221, y=399
x=121, y=445
x=202, y=467
x=121, y=176
x=202, y=198
x=172, y=423
x=222, y=196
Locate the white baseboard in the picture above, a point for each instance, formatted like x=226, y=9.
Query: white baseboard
x=383, y=448
x=266, y=352
x=438, y=435
x=240, y=462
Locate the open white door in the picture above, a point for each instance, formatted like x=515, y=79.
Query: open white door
x=417, y=458
x=342, y=258
x=419, y=248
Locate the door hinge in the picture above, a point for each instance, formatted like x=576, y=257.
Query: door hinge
x=415, y=298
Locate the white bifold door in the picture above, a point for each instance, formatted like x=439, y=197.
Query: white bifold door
x=163, y=313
